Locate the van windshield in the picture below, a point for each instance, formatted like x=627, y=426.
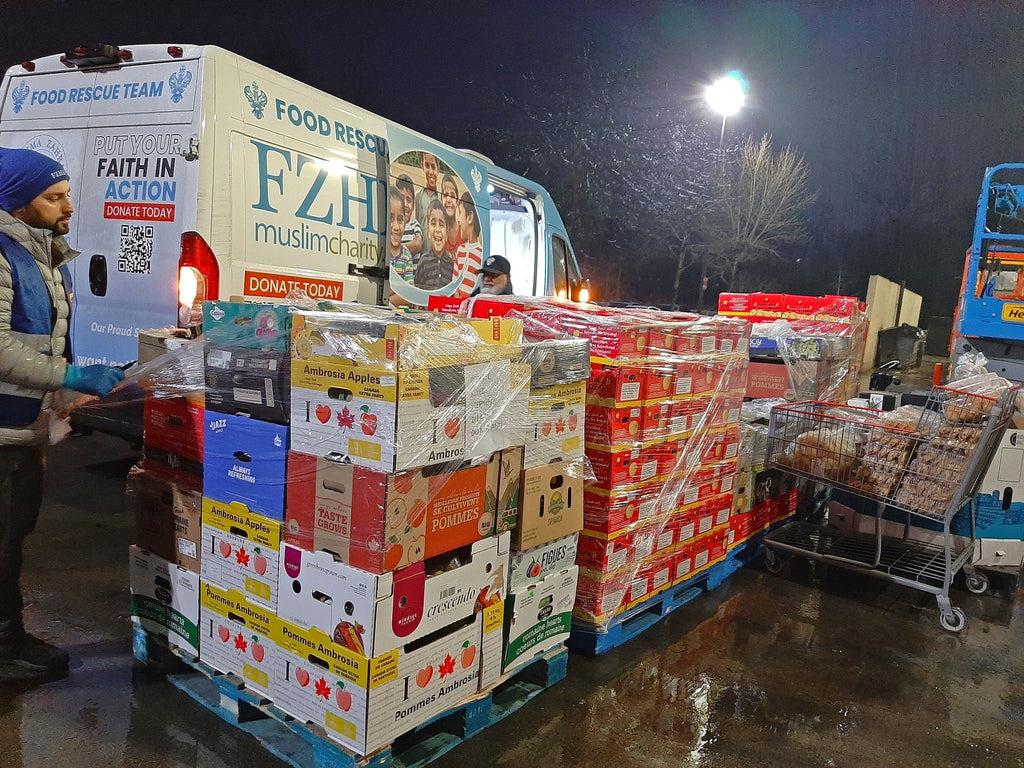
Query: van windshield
x=514, y=236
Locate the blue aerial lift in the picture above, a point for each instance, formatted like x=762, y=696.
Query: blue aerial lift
x=989, y=316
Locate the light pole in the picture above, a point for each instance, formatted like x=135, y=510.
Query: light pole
x=725, y=96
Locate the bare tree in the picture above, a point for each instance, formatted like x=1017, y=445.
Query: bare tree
x=760, y=210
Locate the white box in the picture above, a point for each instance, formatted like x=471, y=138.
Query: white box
x=241, y=551
x=373, y=614
x=535, y=564
x=538, y=618
x=165, y=598
x=365, y=703
x=237, y=636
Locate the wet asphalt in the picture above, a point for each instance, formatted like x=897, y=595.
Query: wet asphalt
x=822, y=668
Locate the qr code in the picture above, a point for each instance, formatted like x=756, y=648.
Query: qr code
x=136, y=249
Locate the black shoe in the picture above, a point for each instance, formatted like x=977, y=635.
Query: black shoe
x=33, y=654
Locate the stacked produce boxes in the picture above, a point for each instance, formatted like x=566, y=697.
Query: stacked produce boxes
x=366, y=474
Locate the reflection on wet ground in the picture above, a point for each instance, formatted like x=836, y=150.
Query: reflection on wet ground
x=810, y=668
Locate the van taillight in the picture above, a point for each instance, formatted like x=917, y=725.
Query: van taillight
x=198, y=279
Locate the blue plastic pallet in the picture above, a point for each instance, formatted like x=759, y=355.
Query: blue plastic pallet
x=638, y=619
x=306, y=746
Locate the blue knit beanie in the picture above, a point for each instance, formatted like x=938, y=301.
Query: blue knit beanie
x=24, y=175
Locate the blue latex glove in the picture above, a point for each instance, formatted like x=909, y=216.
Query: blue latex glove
x=92, y=379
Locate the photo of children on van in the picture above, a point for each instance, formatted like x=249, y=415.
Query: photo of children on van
x=434, y=230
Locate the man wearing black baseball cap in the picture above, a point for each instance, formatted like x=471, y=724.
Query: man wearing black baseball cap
x=495, y=278
x=35, y=214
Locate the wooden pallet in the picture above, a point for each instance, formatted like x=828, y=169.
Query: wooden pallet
x=593, y=641
x=304, y=745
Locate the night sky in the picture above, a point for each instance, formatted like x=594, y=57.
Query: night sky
x=897, y=106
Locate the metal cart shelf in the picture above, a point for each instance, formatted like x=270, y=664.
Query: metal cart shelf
x=928, y=468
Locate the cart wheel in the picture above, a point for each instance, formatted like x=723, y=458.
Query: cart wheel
x=977, y=583
x=772, y=562
x=954, y=621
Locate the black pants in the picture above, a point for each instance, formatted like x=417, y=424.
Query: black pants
x=21, y=495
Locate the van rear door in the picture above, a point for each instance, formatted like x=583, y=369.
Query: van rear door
x=124, y=136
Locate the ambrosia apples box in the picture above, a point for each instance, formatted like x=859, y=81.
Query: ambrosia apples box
x=241, y=551
x=381, y=521
x=365, y=703
x=237, y=636
x=373, y=614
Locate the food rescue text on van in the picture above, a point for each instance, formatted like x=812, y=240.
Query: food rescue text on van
x=198, y=174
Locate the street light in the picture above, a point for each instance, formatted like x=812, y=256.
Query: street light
x=726, y=96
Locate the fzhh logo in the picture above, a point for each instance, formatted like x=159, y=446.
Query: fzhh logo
x=18, y=96
x=178, y=82
x=257, y=99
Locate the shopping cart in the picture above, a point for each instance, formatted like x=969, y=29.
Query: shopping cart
x=929, y=469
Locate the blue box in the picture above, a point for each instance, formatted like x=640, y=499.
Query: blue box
x=245, y=460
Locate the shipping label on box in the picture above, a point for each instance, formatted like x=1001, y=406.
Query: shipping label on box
x=535, y=564
x=538, y=617
x=237, y=636
x=165, y=598
x=241, y=551
x=373, y=614
x=365, y=703
x=552, y=505
x=168, y=515
x=682, y=564
x=246, y=461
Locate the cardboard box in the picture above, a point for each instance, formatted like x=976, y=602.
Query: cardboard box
x=613, y=426
x=373, y=614
x=555, y=424
x=734, y=304
x=552, y=506
x=249, y=325
x=653, y=576
x=248, y=382
x=656, y=421
x=510, y=477
x=246, y=461
x=608, y=512
x=168, y=515
x=174, y=425
x=380, y=521
x=536, y=564
x=165, y=598
x=158, y=342
x=620, y=467
x=600, y=596
x=627, y=548
x=1000, y=495
x=365, y=703
x=415, y=418
x=237, y=637
x=615, y=386
x=538, y=617
x=241, y=551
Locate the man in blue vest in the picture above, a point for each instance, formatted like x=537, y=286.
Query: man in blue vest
x=35, y=211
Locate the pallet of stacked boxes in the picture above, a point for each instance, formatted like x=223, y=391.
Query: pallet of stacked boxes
x=166, y=487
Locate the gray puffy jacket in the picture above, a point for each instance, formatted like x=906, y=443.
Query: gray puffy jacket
x=33, y=365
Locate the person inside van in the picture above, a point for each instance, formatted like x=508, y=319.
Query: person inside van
x=470, y=254
x=428, y=194
x=496, y=277
x=401, y=260
x=412, y=238
x=436, y=267
x=450, y=201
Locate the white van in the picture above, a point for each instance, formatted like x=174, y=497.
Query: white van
x=197, y=174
